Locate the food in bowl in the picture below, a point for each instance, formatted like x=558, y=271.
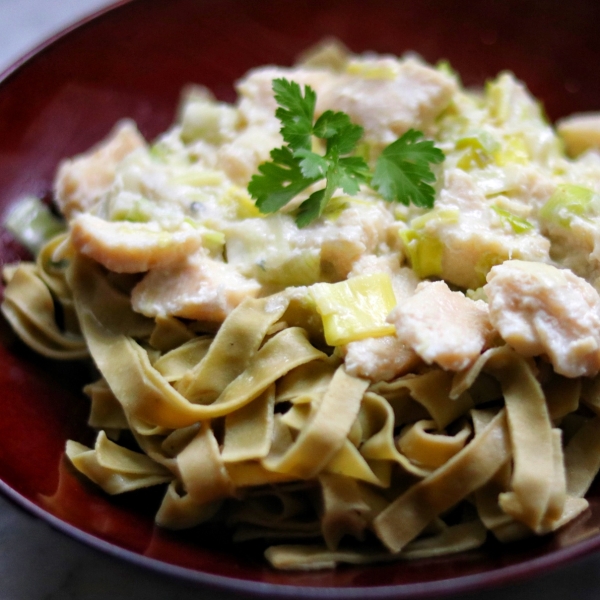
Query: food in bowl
x=354, y=314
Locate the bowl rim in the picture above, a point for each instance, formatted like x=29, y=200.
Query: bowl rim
x=496, y=578
x=503, y=576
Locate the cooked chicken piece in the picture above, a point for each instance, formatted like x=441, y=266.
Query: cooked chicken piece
x=126, y=247
x=442, y=326
x=241, y=157
x=388, y=97
x=199, y=288
x=358, y=231
x=580, y=132
x=379, y=359
x=82, y=180
x=541, y=310
x=479, y=237
x=257, y=103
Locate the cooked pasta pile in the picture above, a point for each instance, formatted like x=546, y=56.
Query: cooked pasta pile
x=389, y=382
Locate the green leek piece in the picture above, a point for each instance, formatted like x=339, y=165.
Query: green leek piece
x=424, y=249
x=478, y=149
x=203, y=119
x=438, y=215
x=444, y=66
x=213, y=240
x=484, y=264
x=302, y=268
x=355, y=309
x=239, y=199
x=159, y=152
x=518, y=224
x=365, y=151
x=507, y=99
x=425, y=252
x=33, y=223
x=569, y=201
x=373, y=70
x=477, y=294
x=338, y=204
x=498, y=96
x=513, y=150
x=134, y=210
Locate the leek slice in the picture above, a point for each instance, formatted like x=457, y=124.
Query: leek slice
x=424, y=249
x=478, y=150
x=514, y=150
x=204, y=119
x=298, y=268
x=132, y=208
x=567, y=202
x=33, y=224
x=356, y=308
x=517, y=224
x=378, y=69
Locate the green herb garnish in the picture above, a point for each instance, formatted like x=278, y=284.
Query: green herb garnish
x=402, y=172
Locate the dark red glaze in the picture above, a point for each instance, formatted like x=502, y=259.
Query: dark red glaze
x=132, y=62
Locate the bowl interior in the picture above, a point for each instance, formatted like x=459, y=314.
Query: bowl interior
x=132, y=62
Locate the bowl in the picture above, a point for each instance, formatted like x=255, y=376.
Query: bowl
x=132, y=60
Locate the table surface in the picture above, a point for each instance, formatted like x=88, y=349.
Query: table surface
x=37, y=562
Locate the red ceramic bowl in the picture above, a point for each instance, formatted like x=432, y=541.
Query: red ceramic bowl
x=132, y=61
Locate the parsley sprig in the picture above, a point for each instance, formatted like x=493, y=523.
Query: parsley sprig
x=402, y=172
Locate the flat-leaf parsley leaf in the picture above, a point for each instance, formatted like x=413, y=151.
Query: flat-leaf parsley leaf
x=402, y=172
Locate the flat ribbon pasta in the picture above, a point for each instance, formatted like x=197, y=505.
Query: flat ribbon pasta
x=343, y=509
x=531, y=438
x=234, y=346
x=114, y=468
x=325, y=431
x=458, y=538
x=145, y=394
x=468, y=470
x=423, y=445
x=29, y=308
x=202, y=470
x=249, y=430
x=433, y=391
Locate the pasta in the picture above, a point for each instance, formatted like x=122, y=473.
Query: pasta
x=389, y=382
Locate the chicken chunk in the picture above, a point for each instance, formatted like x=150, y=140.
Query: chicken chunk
x=442, y=326
x=126, y=247
x=81, y=181
x=257, y=103
x=388, y=97
x=539, y=309
x=580, y=132
x=240, y=158
x=358, y=231
x=199, y=288
x=379, y=359
x=478, y=237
